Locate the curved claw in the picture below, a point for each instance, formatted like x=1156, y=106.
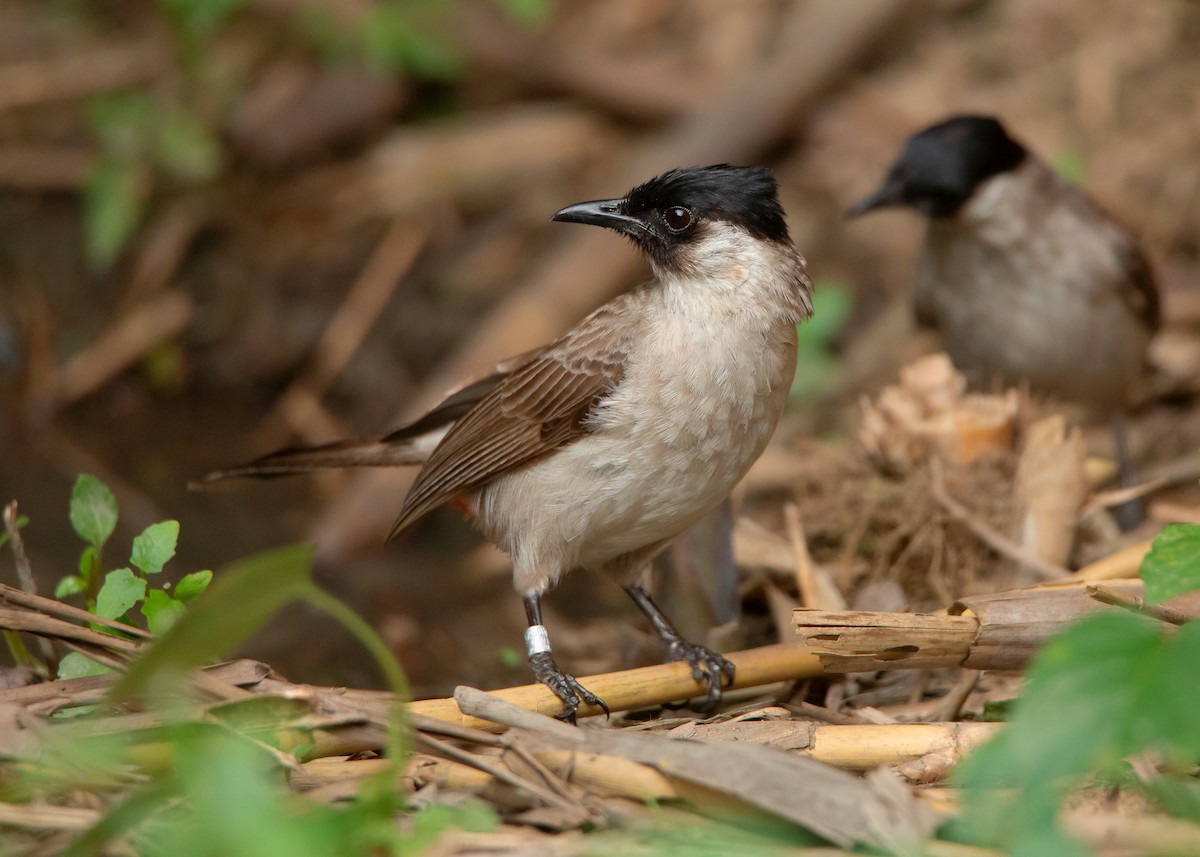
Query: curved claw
x=566, y=687
x=708, y=667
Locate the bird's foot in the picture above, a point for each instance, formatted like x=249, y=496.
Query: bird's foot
x=566, y=687
x=708, y=668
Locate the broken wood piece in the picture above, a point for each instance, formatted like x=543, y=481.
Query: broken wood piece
x=1001, y=631
x=1051, y=486
x=929, y=414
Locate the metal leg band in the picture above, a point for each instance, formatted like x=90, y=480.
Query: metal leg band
x=537, y=641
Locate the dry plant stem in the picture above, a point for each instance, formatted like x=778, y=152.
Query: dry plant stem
x=1174, y=513
x=168, y=239
x=151, y=323
x=823, y=714
x=52, y=607
x=345, y=332
x=994, y=540
x=1137, y=605
x=501, y=773
x=79, y=72
x=43, y=168
x=805, y=584
x=1110, y=833
x=20, y=558
x=643, y=687
x=634, y=86
x=47, y=817
x=818, y=45
x=951, y=704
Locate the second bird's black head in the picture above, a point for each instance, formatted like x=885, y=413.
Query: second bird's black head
x=679, y=208
x=941, y=167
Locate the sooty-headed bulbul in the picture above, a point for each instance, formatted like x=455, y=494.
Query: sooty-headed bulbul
x=598, y=449
x=1026, y=278
x=1023, y=274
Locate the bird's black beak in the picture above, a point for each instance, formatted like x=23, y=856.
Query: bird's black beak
x=601, y=212
x=892, y=193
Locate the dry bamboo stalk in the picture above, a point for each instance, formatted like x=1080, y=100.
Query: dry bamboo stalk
x=47, y=816
x=1122, y=564
x=865, y=747
x=643, y=687
x=1110, y=833
x=999, y=631
x=857, y=641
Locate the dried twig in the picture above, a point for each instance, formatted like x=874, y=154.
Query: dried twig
x=805, y=584
x=80, y=71
x=1136, y=604
x=345, y=332
x=151, y=323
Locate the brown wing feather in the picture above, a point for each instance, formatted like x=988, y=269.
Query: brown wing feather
x=537, y=409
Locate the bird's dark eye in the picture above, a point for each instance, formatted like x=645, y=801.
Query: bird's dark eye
x=678, y=218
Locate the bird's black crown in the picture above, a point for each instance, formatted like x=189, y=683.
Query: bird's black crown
x=744, y=196
x=942, y=166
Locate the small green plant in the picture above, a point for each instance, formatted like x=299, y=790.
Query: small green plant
x=93, y=515
x=1112, y=686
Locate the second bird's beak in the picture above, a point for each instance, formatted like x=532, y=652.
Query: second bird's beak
x=892, y=193
x=601, y=212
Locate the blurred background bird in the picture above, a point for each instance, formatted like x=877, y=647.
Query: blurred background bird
x=1025, y=276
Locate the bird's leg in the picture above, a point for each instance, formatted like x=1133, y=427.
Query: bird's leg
x=1130, y=514
x=708, y=667
x=565, y=687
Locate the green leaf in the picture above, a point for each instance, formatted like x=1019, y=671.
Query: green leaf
x=242, y=599
x=161, y=611
x=155, y=546
x=201, y=18
x=1173, y=565
x=87, y=561
x=509, y=657
x=186, y=149
x=93, y=510
x=1111, y=686
x=75, y=665
x=528, y=12
x=114, y=197
x=121, y=590
x=192, y=585
x=70, y=585
x=121, y=123
x=1069, y=165
x=832, y=303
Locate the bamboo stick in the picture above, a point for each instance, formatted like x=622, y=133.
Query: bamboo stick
x=643, y=687
x=1001, y=631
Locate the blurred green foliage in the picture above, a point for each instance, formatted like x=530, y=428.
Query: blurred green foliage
x=196, y=780
x=1112, y=686
x=816, y=365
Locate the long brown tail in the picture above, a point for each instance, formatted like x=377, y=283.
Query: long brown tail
x=368, y=452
